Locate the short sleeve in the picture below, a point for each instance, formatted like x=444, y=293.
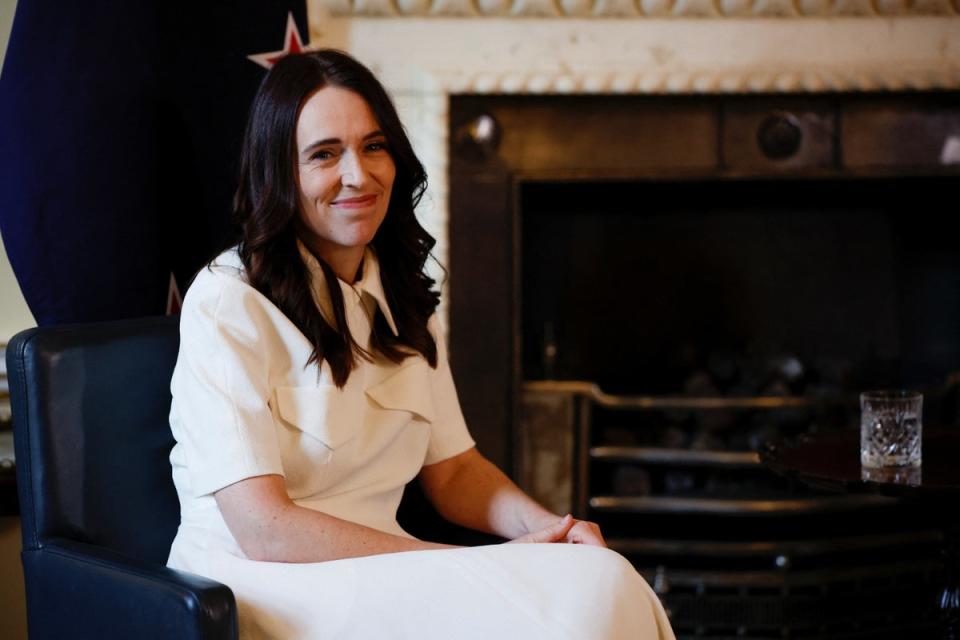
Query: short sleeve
x=449, y=435
x=220, y=413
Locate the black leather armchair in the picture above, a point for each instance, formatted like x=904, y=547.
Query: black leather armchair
x=98, y=507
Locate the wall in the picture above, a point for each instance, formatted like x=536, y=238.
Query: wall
x=14, y=316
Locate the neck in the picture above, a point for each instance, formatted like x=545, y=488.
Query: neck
x=345, y=261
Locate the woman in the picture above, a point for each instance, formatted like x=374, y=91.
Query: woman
x=312, y=384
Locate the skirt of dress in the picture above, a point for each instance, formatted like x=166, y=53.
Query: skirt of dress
x=523, y=591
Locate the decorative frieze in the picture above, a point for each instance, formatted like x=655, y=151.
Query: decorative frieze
x=726, y=81
x=642, y=8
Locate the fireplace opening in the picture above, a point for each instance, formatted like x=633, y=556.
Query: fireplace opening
x=740, y=287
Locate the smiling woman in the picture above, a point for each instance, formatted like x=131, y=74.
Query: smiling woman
x=312, y=385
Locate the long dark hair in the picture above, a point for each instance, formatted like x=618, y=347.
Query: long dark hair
x=267, y=208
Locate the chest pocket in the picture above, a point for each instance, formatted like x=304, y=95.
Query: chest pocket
x=326, y=413
x=409, y=389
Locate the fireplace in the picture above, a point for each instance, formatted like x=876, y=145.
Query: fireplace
x=645, y=290
x=724, y=264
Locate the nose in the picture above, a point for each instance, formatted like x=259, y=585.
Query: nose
x=353, y=170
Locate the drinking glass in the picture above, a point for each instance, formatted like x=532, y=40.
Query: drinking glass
x=891, y=428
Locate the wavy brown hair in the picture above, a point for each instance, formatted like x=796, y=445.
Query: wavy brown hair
x=267, y=207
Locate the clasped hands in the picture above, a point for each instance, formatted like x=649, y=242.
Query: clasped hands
x=569, y=530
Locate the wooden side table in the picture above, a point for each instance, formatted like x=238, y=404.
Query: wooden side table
x=832, y=461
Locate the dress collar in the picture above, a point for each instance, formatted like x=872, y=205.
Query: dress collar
x=368, y=285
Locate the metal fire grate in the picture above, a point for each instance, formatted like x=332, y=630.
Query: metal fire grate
x=896, y=600
x=733, y=550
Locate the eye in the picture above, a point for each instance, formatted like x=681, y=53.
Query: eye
x=377, y=145
x=322, y=154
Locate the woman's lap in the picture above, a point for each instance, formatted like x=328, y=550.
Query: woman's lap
x=551, y=591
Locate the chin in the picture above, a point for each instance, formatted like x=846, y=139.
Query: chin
x=363, y=236
x=357, y=241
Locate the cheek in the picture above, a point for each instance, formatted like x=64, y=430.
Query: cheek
x=387, y=183
x=387, y=177
x=315, y=186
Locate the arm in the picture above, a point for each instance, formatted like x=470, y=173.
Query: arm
x=221, y=393
x=469, y=490
x=269, y=526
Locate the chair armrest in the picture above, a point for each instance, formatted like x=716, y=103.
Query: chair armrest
x=98, y=593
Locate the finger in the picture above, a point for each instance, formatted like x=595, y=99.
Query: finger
x=588, y=533
x=557, y=531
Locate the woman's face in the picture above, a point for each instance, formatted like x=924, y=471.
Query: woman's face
x=345, y=175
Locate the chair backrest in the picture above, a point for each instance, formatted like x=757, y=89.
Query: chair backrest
x=92, y=436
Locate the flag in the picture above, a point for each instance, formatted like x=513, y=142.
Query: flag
x=120, y=131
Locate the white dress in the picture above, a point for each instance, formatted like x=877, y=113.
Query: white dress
x=245, y=404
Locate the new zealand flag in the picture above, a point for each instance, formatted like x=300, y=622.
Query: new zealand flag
x=120, y=129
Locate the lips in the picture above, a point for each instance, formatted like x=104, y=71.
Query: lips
x=355, y=203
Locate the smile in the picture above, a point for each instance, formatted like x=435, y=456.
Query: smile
x=355, y=203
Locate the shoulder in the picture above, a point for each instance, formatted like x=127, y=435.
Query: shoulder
x=224, y=275
x=220, y=294
x=220, y=272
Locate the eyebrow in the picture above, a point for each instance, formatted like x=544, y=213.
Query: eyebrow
x=322, y=143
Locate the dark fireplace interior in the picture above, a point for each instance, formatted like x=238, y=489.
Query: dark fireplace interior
x=645, y=291
x=745, y=287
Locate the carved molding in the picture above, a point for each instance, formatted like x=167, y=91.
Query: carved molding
x=707, y=81
x=642, y=8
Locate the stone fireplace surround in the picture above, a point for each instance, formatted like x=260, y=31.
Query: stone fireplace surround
x=426, y=50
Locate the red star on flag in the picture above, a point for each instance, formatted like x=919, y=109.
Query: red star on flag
x=291, y=44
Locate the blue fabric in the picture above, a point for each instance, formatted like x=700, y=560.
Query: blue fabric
x=121, y=127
